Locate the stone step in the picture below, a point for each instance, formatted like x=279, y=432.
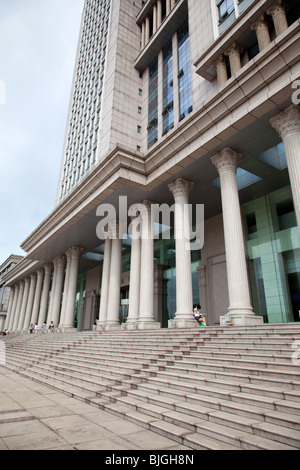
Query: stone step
x=219, y=388
x=234, y=382
x=199, y=408
x=246, y=399
x=233, y=436
x=88, y=381
x=190, y=422
x=239, y=357
x=203, y=397
x=249, y=369
x=247, y=350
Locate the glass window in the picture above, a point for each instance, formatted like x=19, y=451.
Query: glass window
x=168, y=110
x=153, y=104
x=184, y=73
x=225, y=7
x=273, y=250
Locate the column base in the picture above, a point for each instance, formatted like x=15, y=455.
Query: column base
x=64, y=329
x=131, y=325
x=182, y=323
x=241, y=320
x=144, y=325
x=112, y=326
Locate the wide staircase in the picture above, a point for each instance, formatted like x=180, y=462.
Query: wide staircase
x=212, y=388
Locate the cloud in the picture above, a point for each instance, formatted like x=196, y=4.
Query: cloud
x=38, y=42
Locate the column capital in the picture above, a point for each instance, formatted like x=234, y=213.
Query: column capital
x=113, y=229
x=134, y=211
x=48, y=268
x=59, y=260
x=181, y=187
x=147, y=204
x=40, y=272
x=220, y=61
x=287, y=122
x=74, y=252
x=278, y=7
x=227, y=159
x=33, y=276
x=234, y=49
x=261, y=22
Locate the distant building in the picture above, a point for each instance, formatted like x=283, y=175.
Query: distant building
x=187, y=102
x=5, y=292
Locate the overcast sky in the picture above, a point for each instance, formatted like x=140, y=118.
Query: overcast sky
x=38, y=42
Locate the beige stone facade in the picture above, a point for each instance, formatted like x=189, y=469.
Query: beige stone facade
x=190, y=104
x=6, y=293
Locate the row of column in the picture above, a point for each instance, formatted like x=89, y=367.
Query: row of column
x=34, y=300
x=141, y=290
x=278, y=14
x=156, y=17
x=30, y=297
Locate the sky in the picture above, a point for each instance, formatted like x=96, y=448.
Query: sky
x=38, y=43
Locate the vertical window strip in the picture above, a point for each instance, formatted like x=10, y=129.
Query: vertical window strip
x=153, y=104
x=184, y=73
x=168, y=96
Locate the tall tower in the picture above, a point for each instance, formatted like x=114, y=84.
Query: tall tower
x=104, y=97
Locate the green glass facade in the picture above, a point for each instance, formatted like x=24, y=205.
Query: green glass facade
x=273, y=249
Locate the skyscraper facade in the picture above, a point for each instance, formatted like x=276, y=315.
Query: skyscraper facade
x=179, y=181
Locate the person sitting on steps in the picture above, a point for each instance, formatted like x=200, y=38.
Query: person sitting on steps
x=198, y=316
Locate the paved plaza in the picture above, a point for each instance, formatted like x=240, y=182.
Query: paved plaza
x=36, y=417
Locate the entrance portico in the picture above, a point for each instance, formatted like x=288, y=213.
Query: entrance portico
x=51, y=280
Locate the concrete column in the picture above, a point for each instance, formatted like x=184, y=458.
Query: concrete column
x=159, y=13
x=73, y=262
x=146, y=315
x=105, y=279
x=172, y=4
x=135, y=273
x=168, y=7
x=154, y=18
x=10, y=307
x=234, y=54
x=143, y=34
x=59, y=269
x=29, y=307
x=262, y=32
x=147, y=30
x=114, y=289
x=13, y=308
x=18, y=306
x=49, y=314
x=287, y=124
x=184, y=317
x=45, y=295
x=65, y=289
x=277, y=11
x=240, y=308
x=37, y=296
x=221, y=68
x=24, y=304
